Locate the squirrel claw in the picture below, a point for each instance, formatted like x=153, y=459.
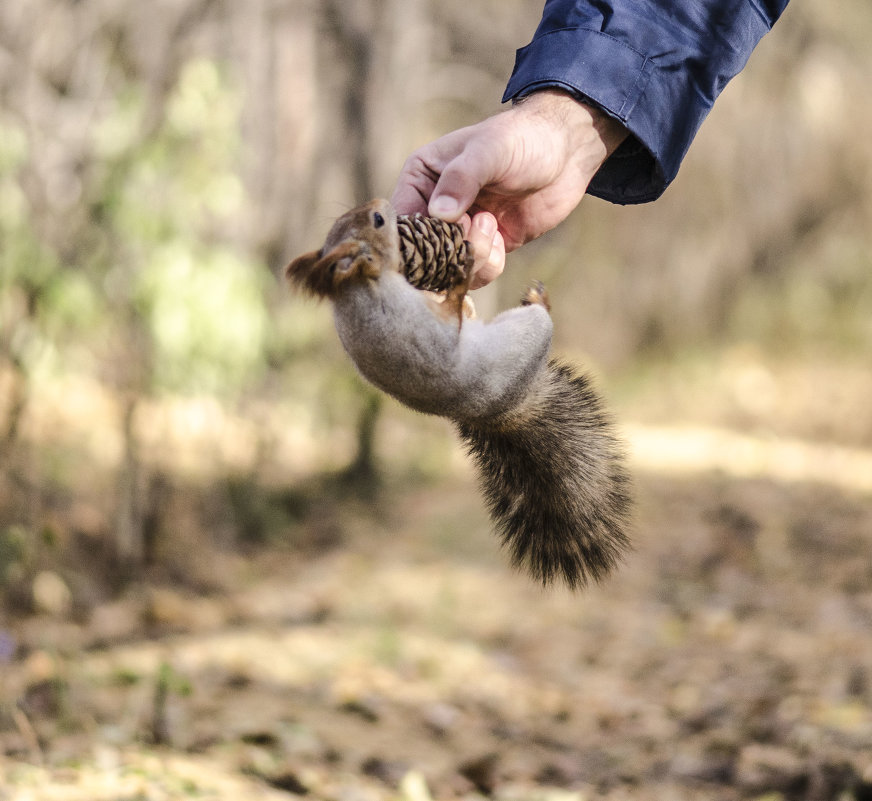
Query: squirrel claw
x=536, y=294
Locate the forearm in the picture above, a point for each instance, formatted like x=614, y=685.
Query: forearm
x=656, y=67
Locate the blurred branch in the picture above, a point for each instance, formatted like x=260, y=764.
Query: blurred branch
x=354, y=40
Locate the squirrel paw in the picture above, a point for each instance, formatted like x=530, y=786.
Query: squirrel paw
x=536, y=294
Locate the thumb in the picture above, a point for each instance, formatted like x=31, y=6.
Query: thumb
x=460, y=182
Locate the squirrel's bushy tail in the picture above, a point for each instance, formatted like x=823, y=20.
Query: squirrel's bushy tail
x=552, y=475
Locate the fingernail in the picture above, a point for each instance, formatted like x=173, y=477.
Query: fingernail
x=444, y=206
x=486, y=223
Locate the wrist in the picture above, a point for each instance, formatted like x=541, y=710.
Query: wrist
x=591, y=135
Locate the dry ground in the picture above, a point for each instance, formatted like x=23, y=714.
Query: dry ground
x=729, y=658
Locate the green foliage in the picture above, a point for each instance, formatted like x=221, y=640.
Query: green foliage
x=13, y=153
x=206, y=316
x=13, y=554
x=201, y=300
x=153, y=272
x=169, y=680
x=27, y=267
x=125, y=677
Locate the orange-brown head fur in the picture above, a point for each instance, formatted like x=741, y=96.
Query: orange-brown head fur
x=360, y=245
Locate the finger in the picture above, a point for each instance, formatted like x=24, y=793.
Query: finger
x=462, y=179
x=414, y=186
x=421, y=172
x=455, y=192
x=493, y=267
x=480, y=234
x=409, y=197
x=408, y=200
x=465, y=223
x=488, y=249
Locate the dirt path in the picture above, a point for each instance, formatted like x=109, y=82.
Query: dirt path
x=730, y=658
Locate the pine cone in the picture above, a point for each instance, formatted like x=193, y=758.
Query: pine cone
x=433, y=252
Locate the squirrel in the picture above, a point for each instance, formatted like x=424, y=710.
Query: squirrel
x=551, y=469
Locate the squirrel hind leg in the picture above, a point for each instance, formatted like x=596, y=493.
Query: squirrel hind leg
x=536, y=295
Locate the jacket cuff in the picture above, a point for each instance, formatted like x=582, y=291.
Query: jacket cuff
x=572, y=59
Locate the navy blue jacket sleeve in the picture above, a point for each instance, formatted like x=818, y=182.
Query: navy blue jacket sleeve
x=655, y=65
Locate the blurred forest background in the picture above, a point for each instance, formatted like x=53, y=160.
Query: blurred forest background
x=174, y=427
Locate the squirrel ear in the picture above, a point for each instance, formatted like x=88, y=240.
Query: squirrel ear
x=320, y=274
x=299, y=267
x=301, y=270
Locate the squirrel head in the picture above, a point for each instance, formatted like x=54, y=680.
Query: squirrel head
x=361, y=244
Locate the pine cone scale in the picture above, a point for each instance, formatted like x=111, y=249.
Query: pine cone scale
x=433, y=252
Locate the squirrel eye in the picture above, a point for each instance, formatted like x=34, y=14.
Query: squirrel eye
x=378, y=220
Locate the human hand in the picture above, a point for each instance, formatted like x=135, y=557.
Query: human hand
x=512, y=177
